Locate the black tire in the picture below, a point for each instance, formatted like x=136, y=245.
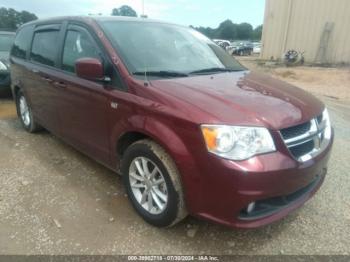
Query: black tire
x=31, y=126
x=174, y=210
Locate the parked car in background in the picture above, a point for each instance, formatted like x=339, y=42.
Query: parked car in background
x=223, y=43
x=190, y=129
x=256, y=47
x=6, y=41
x=241, y=48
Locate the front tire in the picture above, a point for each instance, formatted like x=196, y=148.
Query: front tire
x=153, y=184
x=25, y=114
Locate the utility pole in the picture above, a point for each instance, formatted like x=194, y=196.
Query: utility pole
x=143, y=10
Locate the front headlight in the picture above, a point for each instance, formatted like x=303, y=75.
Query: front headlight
x=3, y=66
x=237, y=142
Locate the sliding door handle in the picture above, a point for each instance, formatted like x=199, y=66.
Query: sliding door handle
x=47, y=79
x=60, y=84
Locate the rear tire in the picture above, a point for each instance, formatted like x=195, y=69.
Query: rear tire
x=25, y=114
x=153, y=184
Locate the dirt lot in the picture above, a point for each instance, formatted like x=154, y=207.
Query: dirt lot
x=54, y=200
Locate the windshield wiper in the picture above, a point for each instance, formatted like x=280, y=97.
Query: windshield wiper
x=161, y=73
x=214, y=70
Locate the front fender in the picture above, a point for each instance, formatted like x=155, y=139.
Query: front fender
x=157, y=131
x=171, y=141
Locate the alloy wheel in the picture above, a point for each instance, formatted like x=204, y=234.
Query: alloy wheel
x=148, y=185
x=24, y=111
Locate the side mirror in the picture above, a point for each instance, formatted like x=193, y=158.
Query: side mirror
x=89, y=68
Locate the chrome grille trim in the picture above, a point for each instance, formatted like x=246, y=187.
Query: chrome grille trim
x=315, y=134
x=309, y=134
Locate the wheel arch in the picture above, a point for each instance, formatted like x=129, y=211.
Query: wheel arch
x=15, y=90
x=138, y=128
x=164, y=136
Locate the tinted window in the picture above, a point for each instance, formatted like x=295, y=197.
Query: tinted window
x=77, y=45
x=22, y=41
x=44, y=48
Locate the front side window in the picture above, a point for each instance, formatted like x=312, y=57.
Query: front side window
x=77, y=45
x=150, y=46
x=44, y=47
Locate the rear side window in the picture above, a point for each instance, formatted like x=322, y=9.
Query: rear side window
x=44, y=47
x=21, y=43
x=78, y=44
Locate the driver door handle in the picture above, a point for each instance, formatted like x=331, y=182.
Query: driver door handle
x=47, y=79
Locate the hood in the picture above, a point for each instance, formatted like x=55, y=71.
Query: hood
x=242, y=98
x=4, y=55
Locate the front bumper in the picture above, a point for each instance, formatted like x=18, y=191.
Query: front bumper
x=5, y=80
x=228, y=187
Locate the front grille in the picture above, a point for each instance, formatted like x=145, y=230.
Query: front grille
x=294, y=131
x=302, y=149
x=305, y=140
x=4, y=79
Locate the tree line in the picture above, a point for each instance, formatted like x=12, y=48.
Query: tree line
x=226, y=30
x=11, y=19
x=231, y=31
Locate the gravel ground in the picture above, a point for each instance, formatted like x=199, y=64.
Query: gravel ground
x=54, y=200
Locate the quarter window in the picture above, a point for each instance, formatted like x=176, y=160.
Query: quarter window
x=44, y=48
x=78, y=44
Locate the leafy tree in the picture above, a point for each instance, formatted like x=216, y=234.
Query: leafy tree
x=231, y=31
x=209, y=32
x=226, y=30
x=124, y=10
x=257, y=33
x=12, y=19
x=244, y=31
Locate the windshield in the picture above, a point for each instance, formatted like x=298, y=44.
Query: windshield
x=6, y=42
x=157, y=47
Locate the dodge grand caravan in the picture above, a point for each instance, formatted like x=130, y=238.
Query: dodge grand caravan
x=6, y=41
x=190, y=130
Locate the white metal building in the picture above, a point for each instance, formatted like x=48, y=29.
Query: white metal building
x=320, y=28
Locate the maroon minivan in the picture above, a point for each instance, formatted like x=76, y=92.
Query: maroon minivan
x=190, y=129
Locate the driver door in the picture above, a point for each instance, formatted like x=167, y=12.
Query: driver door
x=83, y=103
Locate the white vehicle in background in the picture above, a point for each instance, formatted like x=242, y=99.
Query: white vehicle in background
x=256, y=48
x=223, y=43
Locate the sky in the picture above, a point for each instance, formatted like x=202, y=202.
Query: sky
x=207, y=13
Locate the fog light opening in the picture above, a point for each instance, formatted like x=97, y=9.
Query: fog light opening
x=250, y=207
